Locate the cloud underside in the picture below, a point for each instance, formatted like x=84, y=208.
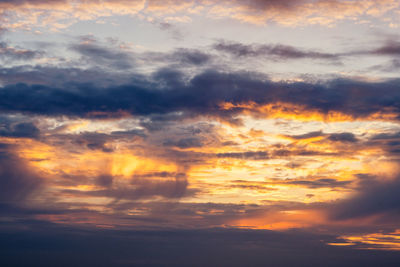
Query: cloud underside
x=213, y=93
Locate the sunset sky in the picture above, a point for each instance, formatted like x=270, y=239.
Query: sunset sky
x=149, y=132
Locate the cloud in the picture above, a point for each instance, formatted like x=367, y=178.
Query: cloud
x=256, y=155
x=374, y=198
x=391, y=66
x=184, y=143
x=323, y=12
x=212, y=93
x=190, y=57
x=389, y=142
x=57, y=13
x=12, y=54
x=94, y=141
x=175, y=247
x=273, y=52
x=140, y=186
x=171, y=29
x=307, y=135
x=391, y=48
x=96, y=54
x=18, y=129
x=17, y=181
x=142, y=189
x=57, y=76
x=343, y=137
x=314, y=183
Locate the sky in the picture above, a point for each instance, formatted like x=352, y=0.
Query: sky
x=199, y=132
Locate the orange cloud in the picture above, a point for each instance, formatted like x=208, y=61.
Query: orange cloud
x=282, y=220
x=384, y=241
x=62, y=13
x=289, y=111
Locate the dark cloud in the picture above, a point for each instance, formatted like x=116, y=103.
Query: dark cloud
x=202, y=95
x=275, y=52
x=389, y=142
x=391, y=48
x=336, y=137
x=251, y=185
x=386, y=136
x=343, y=137
x=94, y=141
x=190, y=57
x=11, y=54
x=91, y=140
x=287, y=152
x=286, y=52
x=184, y=143
x=17, y=181
x=256, y=155
x=160, y=174
x=18, y=129
x=129, y=133
x=63, y=77
x=373, y=198
x=257, y=6
x=105, y=180
x=314, y=183
x=166, y=185
x=307, y=135
x=96, y=54
x=37, y=243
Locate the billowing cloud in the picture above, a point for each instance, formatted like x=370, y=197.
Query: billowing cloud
x=209, y=93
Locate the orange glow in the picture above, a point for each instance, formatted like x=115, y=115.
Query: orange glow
x=389, y=241
x=283, y=220
x=296, y=112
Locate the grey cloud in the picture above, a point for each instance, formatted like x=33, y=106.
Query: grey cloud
x=307, y=135
x=389, y=48
x=17, y=181
x=278, y=51
x=184, y=143
x=343, y=137
x=19, y=129
x=94, y=53
x=201, y=95
x=11, y=54
x=140, y=187
x=256, y=155
x=317, y=183
x=375, y=198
